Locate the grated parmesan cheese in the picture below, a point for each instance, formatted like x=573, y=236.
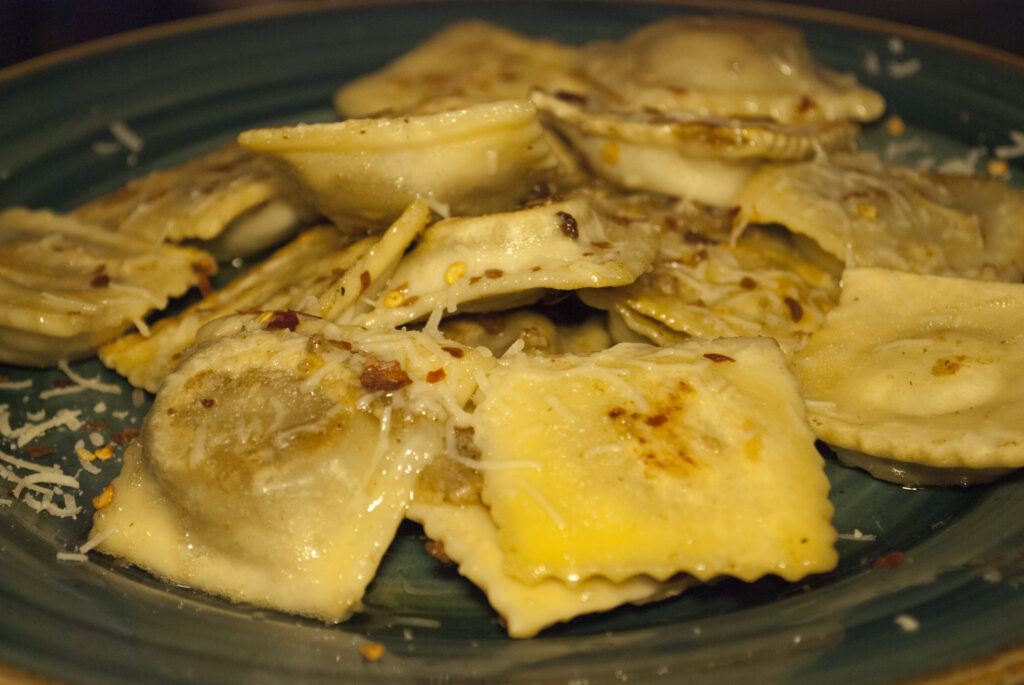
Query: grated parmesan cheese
x=1014, y=149
x=90, y=383
x=28, y=432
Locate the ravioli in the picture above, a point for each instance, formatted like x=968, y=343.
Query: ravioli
x=466, y=63
x=871, y=214
x=702, y=285
x=921, y=369
x=322, y=272
x=498, y=331
x=728, y=67
x=701, y=158
x=470, y=539
x=691, y=458
x=66, y=286
x=506, y=260
x=200, y=199
x=483, y=158
x=278, y=460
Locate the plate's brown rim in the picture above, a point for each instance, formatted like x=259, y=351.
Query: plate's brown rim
x=1003, y=666
x=285, y=7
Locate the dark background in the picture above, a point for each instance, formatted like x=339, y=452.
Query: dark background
x=32, y=27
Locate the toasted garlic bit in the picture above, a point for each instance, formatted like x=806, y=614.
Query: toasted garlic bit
x=454, y=272
x=894, y=125
x=104, y=498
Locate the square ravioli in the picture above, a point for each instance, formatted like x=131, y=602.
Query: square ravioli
x=692, y=458
x=920, y=369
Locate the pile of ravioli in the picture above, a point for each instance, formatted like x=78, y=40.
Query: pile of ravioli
x=581, y=312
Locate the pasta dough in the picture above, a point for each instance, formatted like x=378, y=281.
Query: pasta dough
x=485, y=158
x=467, y=63
x=691, y=458
x=871, y=214
x=279, y=459
x=66, y=286
x=229, y=188
x=470, y=539
x=921, y=369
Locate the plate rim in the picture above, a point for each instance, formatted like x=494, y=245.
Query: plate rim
x=278, y=8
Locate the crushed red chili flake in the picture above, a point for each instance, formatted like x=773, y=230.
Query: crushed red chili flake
x=435, y=375
x=435, y=548
x=207, y=402
x=35, y=451
x=796, y=312
x=286, y=319
x=891, y=560
x=101, y=281
x=63, y=383
x=125, y=437
x=733, y=212
x=456, y=352
x=5, y=379
x=655, y=421
x=616, y=412
x=748, y=283
x=381, y=375
x=94, y=426
x=341, y=344
x=698, y=238
x=715, y=357
x=494, y=273
x=601, y=245
x=203, y=271
x=364, y=281
x=567, y=225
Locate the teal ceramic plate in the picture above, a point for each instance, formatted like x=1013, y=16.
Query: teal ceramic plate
x=954, y=599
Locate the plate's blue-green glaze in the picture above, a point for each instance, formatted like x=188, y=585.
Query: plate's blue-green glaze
x=186, y=91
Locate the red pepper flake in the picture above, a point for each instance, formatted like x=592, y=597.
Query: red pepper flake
x=655, y=421
x=203, y=270
x=435, y=375
x=341, y=344
x=364, y=281
x=371, y=651
x=494, y=273
x=616, y=412
x=568, y=226
x=697, y=238
x=715, y=357
x=732, y=215
x=94, y=426
x=456, y=352
x=748, y=283
x=5, y=379
x=381, y=375
x=207, y=402
x=63, y=383
x=806, y=104
x=126, y=437
x=473, y=280
x=796, y=312
x=101, y=281
x=601, y=245
x=35, y=452
x=891, y=560
x=287, y=319
x=435, y=548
